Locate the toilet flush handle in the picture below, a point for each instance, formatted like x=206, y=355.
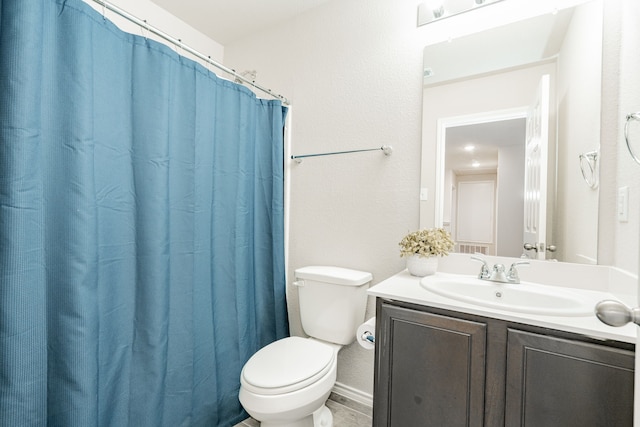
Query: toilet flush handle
x=299, y=283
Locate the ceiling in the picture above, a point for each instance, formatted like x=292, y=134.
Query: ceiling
x=486, y=138
x=226, y=21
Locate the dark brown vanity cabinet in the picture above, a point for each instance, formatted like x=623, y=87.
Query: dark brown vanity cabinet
x=446, y=369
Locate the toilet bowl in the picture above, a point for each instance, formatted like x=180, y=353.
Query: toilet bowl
x=287, y=383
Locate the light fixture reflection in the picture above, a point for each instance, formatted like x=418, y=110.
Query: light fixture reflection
x=436, y=7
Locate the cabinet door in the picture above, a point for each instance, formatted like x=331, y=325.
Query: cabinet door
x=430, y=369
x=564, y=383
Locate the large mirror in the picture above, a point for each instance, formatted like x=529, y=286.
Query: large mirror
x=511, y=132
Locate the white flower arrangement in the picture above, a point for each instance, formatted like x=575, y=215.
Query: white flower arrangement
x=427, y=243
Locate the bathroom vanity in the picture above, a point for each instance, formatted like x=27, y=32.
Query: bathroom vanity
x=445, y=362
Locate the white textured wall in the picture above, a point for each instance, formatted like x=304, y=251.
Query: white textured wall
x=352, y=70
x=164, y=21
x=628, y=233
x=618, y=241
x=578, y=91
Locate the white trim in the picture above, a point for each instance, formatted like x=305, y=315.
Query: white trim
x=287, y=189
x=353, y=394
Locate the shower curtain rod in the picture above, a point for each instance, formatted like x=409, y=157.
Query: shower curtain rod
x=177, y=42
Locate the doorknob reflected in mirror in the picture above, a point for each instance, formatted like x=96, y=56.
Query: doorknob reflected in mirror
x=614, y=313
x=539, y=247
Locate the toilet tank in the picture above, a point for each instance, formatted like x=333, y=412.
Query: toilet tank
x=333, y=301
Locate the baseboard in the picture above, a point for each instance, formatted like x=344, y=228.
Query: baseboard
x=353, y=394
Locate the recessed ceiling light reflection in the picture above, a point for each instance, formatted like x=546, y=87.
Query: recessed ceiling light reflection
x=475, y=164
x=469, y=147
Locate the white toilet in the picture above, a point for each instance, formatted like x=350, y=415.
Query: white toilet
x=287, y=383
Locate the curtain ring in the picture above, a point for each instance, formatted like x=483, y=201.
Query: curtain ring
x=144, y=29
x=632, y=116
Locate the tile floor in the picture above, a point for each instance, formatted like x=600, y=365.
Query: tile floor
x=346, y=413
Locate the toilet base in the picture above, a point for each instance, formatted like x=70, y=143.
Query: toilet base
x=320, y=418
x=323, y=417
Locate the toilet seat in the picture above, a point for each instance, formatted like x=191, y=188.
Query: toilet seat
x=287, y=365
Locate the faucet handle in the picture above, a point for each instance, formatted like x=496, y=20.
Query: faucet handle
x=478, y=258
x=512, y=275
x=513, y=266
x=484, y=271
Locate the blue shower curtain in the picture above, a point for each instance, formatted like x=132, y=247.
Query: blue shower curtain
x=141, y=226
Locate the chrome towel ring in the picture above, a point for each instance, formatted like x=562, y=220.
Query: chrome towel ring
x=589, y=168
x=632, y=116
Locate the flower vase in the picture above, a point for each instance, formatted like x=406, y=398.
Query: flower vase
x=422, y=266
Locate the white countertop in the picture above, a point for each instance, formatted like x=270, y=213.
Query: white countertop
x=407, y=288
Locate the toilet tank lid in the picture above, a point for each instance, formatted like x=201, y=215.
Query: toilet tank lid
x=334, y=275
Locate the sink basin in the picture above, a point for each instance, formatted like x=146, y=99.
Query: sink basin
x=524, y=297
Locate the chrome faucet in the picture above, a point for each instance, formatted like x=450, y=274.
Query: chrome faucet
x=484, y=271
x=498, y=273
x=512, y=275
